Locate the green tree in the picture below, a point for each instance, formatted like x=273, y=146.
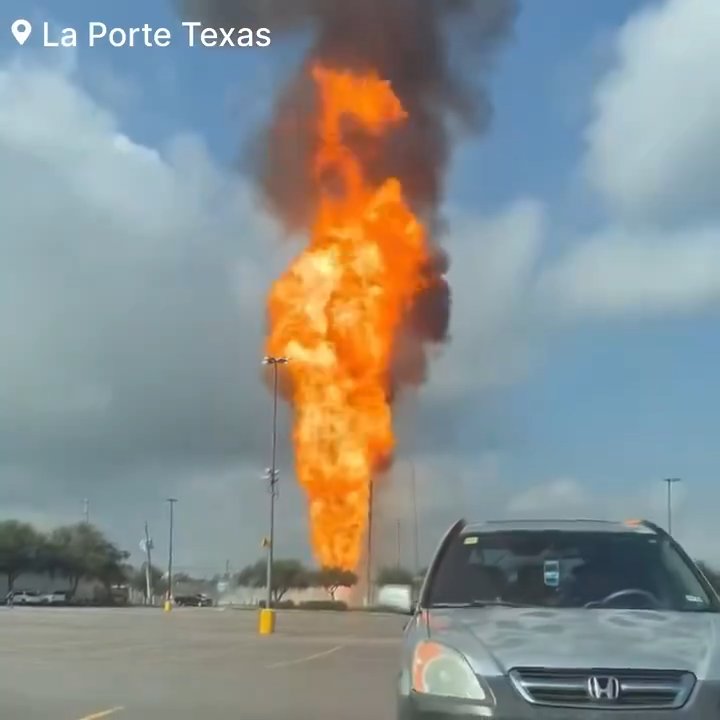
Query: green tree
x=82, y=551
x=47, y=558
x=287, y=575
x=395, y=576
x=112, y=569
x=20, y=547
x=158, y=584
x=334, y=578
x=252, y=576
x=183, y=577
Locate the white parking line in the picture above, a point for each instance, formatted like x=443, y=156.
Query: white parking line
x=307, y=658
x=102, y=714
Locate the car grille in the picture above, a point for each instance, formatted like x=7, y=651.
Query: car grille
x=647, y=689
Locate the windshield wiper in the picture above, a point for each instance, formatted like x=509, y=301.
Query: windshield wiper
x=481, y=604
x=500, y=603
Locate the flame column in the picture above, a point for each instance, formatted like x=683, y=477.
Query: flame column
x=272, y=475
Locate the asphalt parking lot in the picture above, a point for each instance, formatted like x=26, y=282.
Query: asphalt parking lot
x=142, y=664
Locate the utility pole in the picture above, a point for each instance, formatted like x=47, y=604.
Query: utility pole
x=416, y=523
x=399, y=533
x=272, y=475
x=168, y=601
x=670, y=482
x=368, y=579
x=148, y=566
x=86, y=511
x=227, y=569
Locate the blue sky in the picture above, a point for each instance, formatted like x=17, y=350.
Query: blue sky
x=614, y=394
x=540, y=92
x=543, y=73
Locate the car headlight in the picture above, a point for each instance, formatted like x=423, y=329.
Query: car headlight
x=442, y=671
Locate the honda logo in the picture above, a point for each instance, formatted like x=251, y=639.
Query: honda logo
x=603, y=688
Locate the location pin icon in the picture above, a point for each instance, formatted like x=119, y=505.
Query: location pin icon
x=21, y=30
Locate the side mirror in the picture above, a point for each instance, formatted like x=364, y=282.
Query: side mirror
x=398, y=598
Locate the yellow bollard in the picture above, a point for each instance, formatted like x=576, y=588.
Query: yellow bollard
x=266, y=621
x=168, y=606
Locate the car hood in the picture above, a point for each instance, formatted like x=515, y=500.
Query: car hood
x=502, y=638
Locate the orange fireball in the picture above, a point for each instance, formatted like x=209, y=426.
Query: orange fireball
x=337, y=309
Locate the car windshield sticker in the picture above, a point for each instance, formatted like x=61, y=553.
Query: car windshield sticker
x=693, y=599
x=551, y=573
x=471, y=540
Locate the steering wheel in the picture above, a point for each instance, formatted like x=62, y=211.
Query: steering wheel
x=624, y=593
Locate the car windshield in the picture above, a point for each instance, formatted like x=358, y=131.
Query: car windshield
x=568, y=570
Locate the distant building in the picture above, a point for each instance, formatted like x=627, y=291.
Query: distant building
x=244, y=596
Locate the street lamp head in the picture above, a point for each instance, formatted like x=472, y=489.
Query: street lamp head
x=270, y=360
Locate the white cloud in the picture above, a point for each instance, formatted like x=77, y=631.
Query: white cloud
x=557, y=499
x=491, y=280
x=120, y=264
x=565, y=498
x=620, y=273
x=132, y=290
x=446, y=487
x=653, y=149
x=653, y=155
x=694, y=521
x=131, y=312
x=131, y=319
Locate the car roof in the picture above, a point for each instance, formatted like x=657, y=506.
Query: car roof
x=594, y=526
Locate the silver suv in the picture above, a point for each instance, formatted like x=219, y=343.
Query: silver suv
x=562, y=620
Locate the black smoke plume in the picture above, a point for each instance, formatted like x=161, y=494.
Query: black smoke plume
x=436, y=55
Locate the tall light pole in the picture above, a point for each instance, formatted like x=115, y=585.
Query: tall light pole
x=86, y=511
x=171, y=502
x=368, y=578
x=670, y=482
x=148, y=545
x=272, y=474
x=416, y=524
x=399, y=543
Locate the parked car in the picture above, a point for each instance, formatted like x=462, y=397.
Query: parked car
x=197, y=600
x=23, y=597
x=561, y=619
x=56, y=597
x=120, y=594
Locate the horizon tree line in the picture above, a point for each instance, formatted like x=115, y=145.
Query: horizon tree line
x=82, y=552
